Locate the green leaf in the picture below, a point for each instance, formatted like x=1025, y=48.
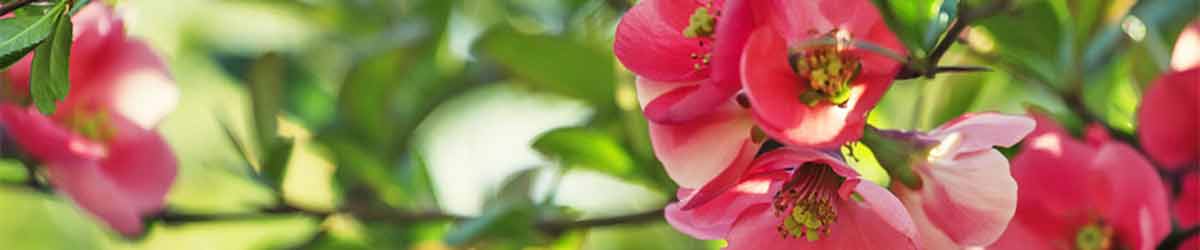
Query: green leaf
x=265, y=79
x=918, y=23
x=21, y=34
x=1033, y=39
x=554, y=64
x=50, y=76
x=587, y=149
x=34, y=220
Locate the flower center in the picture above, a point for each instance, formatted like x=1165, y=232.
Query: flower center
x=828, y=69
x=806, y=202
x=700, y=24
x=1094, y=236
x=92, y=125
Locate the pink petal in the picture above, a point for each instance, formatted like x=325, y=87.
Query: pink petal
x=971, y=199
x=1187, y=207
x=686, y=104
x=134, y=81
x=43, y=138
x=797, y=20
x=1186, y=54
x=1136, y=199
x=1019, y=236
x=130, y=182
x=118, y=181
x=712, y=220
x=790, y=157
x=982, y=131
x=773, y=90
x=90, y=187
x=695, y=152
x=1187, y=204
x=650, y=41
x=1052, y=174
x=879, y=221
x=1168, y=123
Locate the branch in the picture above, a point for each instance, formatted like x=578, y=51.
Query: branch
x=4, y=10
x=1175, y=239
x=638, y=218
x=907, y=73
x=171, y=217
x=966, y=15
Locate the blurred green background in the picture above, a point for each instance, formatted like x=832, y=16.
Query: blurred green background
x=499, y=121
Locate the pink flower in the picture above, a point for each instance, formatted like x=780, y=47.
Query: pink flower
x=696, y=152
x=813, y=74
x=1097, y=194
x=696, y=42
x=967, y=196
x=98, y=147
x=108, y=67
x=1169, y=115
x=799, y=199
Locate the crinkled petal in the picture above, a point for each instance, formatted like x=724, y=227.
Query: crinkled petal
x=1169, y=119
x=1136, y=200
x=712, y=220
x=695, y=152
x=650, y=41
x=1052, y=174
x=774, y=90
x=982, y=131
x=971, y=199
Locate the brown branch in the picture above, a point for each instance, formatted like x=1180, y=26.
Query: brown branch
x=4, y=10
x=172, y=217
x=638, y=218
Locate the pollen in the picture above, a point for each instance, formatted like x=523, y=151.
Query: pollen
x=806, y=203
x=827, y=70
x=700, y=24
x=92, y=125
x=1094, y=236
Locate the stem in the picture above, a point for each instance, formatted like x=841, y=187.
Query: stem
x=1174, y=240
x=643, y=217
x=174, y=217
x=4, y=10
x=943, y=45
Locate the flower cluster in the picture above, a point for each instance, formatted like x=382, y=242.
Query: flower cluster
x=749, y=102
x=99, y=147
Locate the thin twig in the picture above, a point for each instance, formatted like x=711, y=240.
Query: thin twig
x=1175, y=239
x=175, y=217
x=638, y=218
x=909, y=74
x=4, y=10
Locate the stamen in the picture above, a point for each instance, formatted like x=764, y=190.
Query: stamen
x=92, y=125
x=827, y=68
x=807, y=201
x=700, y=24
x=1094, y=236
